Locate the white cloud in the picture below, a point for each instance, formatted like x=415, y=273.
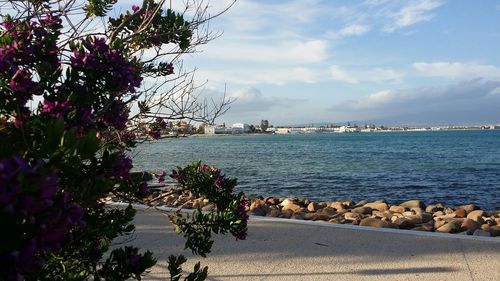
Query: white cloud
x=414, y=12
x=254, y=75
x=377, y=75
x=291, y=52
x=468, y=101
x=458, y=70
x=252, y=100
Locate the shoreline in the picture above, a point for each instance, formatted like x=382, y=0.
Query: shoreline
x=412, y=215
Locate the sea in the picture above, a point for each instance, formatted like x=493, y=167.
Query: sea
x=451, y=167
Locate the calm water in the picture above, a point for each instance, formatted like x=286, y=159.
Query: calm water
x=453, y=167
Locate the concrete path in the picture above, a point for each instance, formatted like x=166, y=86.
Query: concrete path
x=288, y=250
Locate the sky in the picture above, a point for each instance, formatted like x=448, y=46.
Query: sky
x=391, y=62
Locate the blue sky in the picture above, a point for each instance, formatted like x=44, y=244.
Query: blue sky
x=415, y=62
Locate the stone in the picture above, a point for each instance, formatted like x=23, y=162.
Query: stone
x=292, y=207
x=448, y=211
x=439, y=223
x=373, y=222
x=256, y=204
x=495, y=230
x=404, y=223
x=288, y=201
x=426, y=217
x=362, y=210
x=380, y=206
x=352, y=216
x=317, y=217
x=480, y=232
x=432, y=208
x=460, y=213
x=424, y=227
x=414, y=219
x=408, y=213
x=337, y=206
x=286, y=214
x=438, y=214
x=384, y=214
x=298, y=216
x=485, y=227
x=348, y=204
x=313, y=207
x=273, y=213
x=259, y=211
x=469, y=207
x=361, y=203
x=272, y=201
x=470, y=224
x=417, y=211
x=450, y=227
x=397, y=209
x=413, y=204
x=475, y=215
x=329, y=211
x=323, y=205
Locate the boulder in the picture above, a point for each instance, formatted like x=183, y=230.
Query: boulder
x=469, y=208
x=374, y=222
x=424, y=227
x=272, y=201
x=439, y=223
x=413, y=204
x=495, y=230
x=460, y=213
x=379, y=206
x=360, y=203
x=408, y=213
x=337, y=206
x=417, y=211
x=329, y=211
x=425, y=217
x=256, y=204
x=313, y=207
x=449, y=227
x=362, y=210
x=317, y=217
x=259, y=211
x=292, y=207
x=209, y=207
x=475, y=215
x=286, y=214
x=404, y=223
x=273, y=213
x=288, y=201
x=298, y=216
x=480, y=232
x=470, y=224
x=350, y=216
x=432, y=208
x=397, y=209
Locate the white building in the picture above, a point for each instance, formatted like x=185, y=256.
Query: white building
x=240, y=128
x=212, y=130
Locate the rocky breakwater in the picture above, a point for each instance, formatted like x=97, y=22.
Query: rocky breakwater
x=411, y=215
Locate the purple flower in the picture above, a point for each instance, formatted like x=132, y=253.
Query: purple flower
x=56, y=108
x=121, y=167
x=135, y=8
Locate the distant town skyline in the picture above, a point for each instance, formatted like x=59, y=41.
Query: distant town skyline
x=383, y=61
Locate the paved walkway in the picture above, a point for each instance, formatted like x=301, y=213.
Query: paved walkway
x=283, y=250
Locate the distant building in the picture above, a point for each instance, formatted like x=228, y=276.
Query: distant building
x=215, y=129
x=237, y=128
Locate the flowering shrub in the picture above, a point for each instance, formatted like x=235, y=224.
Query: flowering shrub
x=59, y=160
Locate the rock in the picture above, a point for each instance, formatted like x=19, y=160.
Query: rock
x=256, y=204
x=380, y=206
x=286, y=214
x=272, y=201
x=415, y=219
x=337, y=206
x=288, y=201
x=373, y=222
x=480, y=232
x=448, y=211
x=273, y=213
x=438, y=214
x=317, y=217
x=292, y=207
x=313, y=207
x=259, y=211
x=348, y=204
x=447, y=218
x=352, y=216
x=339, y=220
x=417, y=211
x=328, y=211
x=384, y=214
x=425, y=217
x=434, y=208
x=485, y=227
x=424, y=227
x=470, y=224
x=450, y=227
x=360, y=203
x=495, y=230
x=413, y=204
x=298, y=216
x=362, y=210
x=397, y=209
x=404, y=223
x=460, y=213
x=475, y=215
x=408, y=213
x=439, y=223
x=469, y=208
